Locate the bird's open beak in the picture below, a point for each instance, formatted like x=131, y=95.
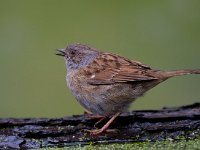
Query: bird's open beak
x=60, y=52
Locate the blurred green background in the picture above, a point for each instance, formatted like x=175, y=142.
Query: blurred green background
x=162, y=34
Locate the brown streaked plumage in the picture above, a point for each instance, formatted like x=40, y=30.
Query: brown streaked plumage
x=106, y=84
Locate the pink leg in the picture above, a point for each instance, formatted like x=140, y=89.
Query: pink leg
x=100, y=120
x=105, y=127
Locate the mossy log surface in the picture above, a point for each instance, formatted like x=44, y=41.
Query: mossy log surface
x=135, y=126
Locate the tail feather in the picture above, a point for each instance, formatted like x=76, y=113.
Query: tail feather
x=168, y=74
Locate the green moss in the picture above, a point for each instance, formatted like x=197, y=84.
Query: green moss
x=159, y=145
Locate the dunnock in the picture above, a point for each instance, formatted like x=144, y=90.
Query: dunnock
x=106, y=84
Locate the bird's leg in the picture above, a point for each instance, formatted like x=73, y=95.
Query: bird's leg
x=105, y=127
x=90, y=116
x=100, y=120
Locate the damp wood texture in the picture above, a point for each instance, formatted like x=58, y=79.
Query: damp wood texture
x=135, y=126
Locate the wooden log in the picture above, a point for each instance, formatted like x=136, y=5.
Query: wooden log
x=144, y=125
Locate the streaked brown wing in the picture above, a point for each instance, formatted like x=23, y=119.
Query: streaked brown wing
x=110, y=68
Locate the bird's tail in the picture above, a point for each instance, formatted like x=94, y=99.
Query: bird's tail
x=168, y=74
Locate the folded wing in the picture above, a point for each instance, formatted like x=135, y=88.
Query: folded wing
x=109, y=68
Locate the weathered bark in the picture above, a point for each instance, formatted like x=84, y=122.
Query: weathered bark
x=147, y=125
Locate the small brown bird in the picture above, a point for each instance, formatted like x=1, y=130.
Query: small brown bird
x=106, y=84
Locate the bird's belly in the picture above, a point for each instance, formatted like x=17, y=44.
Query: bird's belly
x=104, y=99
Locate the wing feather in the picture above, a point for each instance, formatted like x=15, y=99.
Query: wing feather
x=109, y=68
